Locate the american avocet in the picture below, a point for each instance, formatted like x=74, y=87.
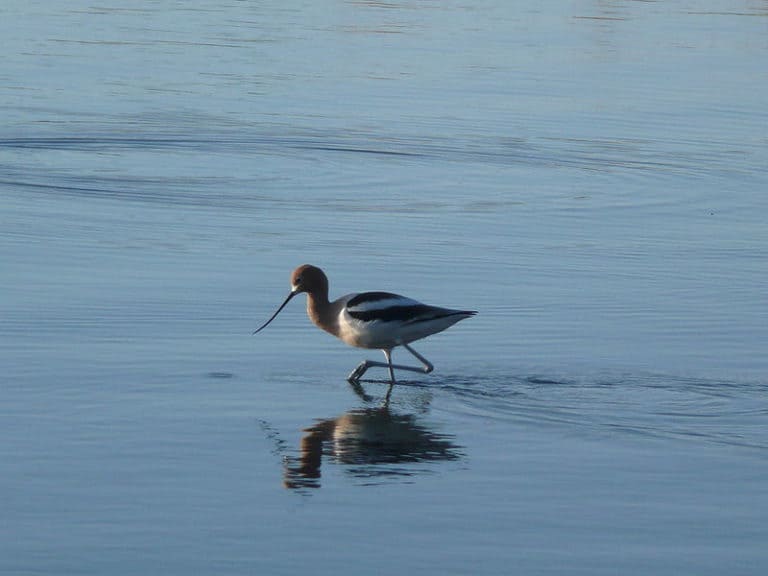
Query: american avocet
x=370, y=320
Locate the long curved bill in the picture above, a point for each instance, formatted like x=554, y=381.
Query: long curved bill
x=291, y=295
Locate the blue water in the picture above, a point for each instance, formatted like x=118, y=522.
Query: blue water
x=590, y=177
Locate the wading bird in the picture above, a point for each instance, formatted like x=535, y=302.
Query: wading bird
x=376, y=320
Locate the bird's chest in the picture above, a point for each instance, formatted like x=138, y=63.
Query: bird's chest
x=366, y=334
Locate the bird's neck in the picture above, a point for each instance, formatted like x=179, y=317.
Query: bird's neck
x=322, y=312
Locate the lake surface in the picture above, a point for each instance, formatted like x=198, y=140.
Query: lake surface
x=590, y=176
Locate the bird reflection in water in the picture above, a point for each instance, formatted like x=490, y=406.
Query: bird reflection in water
x=371, y=443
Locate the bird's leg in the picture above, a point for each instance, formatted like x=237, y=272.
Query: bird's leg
x=426, y=367
x=358, y=372
x=362, y=368
x=388, y=355
x=427, y=364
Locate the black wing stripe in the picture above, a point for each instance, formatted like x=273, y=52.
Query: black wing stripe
x=466, y=313
x=391, y=314
x=368, y=297
x=406, y=314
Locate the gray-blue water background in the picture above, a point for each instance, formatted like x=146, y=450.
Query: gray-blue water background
x=591, y=176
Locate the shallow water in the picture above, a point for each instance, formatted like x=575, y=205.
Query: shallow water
x=590, y=177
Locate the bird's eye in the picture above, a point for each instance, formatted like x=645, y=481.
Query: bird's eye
x=298, y=280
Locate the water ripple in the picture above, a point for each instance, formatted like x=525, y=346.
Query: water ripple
x=651, y=406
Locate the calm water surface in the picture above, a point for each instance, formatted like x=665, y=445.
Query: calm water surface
x=590, y=176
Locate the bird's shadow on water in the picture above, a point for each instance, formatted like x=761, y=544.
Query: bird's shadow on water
x=386, y=439
x=372, y=444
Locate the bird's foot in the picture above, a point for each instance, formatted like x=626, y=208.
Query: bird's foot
x=357, y=373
